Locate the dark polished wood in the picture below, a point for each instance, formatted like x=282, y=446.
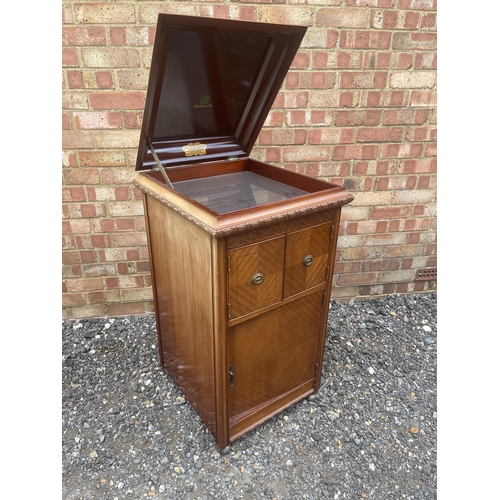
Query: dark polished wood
x=241, y=252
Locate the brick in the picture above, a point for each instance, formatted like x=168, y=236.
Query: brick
x=73, y=194
x=424, y=165
x=383, y=98
x=405, y=117
x=125, y=209
x=428, y=21
x=414, y=41
x=389, y=4
x=148, y=12
x=84, y=284
x=73, y=139
x=111, y=57
x=385, y=134
x=75, y=100
x=138, y=294
x=366, y=227
x=325, y=99
x=364, y=79
x=118, y=176
x=358, y=118
x=70, y=57
x=408, y=150
x=83, y=35
x=302, y=60
x=131, y=36
x=305, y=153
x=418, y=4
x=391, y=212
x=350, y=39
x=331, y=136
x=358, y=278
x=67, y=15
x=393, y=276
x=377, y=199
x=355, y=152
x=124, y=282
x=354, y=213
x=86, y=210
x=117, y=100
x=426, y=60
x=126, y=309
x=73, y=299
x=104, y=297
x=133, y=79
x=414, y=197
x=377, y=60
x=298, y=99
x=92, y=120
x=92, y=311
x=104, y=80
x=286, y=15
x=93, y=241
x=99, y=269
x=101, y=159
x=415, y=80
x=343, y=18
x=105, y=13
x=111, y=139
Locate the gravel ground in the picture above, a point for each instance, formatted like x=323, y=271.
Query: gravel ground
x=371, y=432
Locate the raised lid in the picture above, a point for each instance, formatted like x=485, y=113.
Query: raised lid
x=211, y=85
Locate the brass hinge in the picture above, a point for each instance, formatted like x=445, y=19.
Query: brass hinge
x=332, y=231
x=229, y=310
x=231, y=376
x=327, y=272
x=228, y=263
x=324, y=299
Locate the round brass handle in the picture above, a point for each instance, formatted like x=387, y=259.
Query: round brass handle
x=258, y=279
x=308, y=260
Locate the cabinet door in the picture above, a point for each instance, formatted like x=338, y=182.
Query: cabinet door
x=306, y=258
x=256, y=276
x=274, y=353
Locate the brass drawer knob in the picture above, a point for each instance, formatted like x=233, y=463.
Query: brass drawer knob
x=308, y=260
x=258, y=279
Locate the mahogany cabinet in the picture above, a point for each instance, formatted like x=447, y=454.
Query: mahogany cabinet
x=241, y=252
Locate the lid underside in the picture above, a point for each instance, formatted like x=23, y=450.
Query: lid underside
x=212, y=83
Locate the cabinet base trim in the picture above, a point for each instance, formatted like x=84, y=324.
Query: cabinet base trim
x=246, y=421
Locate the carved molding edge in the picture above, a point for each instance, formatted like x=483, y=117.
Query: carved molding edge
x=260, y=226
x=279, y=228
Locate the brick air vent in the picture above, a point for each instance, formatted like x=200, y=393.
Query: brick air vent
x=426, y=274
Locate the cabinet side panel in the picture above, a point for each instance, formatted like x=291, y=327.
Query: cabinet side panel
x=181, y=256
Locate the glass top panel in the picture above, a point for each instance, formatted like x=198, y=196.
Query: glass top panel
x=237, y=191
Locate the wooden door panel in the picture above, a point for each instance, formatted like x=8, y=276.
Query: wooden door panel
x=262, y=261
x=274, y=353
x=306, y=259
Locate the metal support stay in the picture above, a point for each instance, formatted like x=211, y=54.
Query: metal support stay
x=160, y=166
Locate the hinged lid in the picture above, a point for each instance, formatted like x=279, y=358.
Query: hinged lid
x=211, y=85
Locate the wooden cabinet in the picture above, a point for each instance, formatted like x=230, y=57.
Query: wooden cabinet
x=241, y=252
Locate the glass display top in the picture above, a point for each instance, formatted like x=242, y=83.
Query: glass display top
x=237, y=191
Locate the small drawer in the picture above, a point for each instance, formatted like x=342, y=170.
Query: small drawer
x=306, y=259
x=256, y=276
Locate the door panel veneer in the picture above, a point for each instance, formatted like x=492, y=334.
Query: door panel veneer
x=264, y=260
x=273, y=353
x=306, y=258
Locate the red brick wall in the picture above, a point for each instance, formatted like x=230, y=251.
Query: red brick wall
x=358, y=107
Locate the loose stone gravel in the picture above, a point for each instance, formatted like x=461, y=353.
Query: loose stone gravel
x=370, y=433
